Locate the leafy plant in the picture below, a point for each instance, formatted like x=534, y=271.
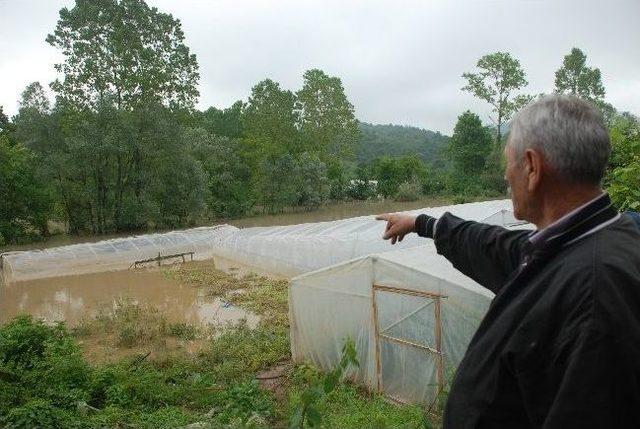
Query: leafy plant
x=307, y=413
x=245, y=402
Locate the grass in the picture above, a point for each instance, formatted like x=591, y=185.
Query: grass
x=53, y=376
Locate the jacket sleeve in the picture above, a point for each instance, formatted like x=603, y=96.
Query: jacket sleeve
x=486, y=253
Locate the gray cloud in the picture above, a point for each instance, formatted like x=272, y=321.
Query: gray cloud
x=400, y=62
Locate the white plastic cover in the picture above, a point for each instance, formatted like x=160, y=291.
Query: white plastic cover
x=109, y=255
x=283, y=251
x=288, y=251
x=335, y=303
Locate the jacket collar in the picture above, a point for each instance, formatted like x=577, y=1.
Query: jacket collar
x=571, y=227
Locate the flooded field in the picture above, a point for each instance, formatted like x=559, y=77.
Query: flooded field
x=73, y=298
x=333, y=211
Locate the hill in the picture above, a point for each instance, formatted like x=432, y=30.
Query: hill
x=398, y=140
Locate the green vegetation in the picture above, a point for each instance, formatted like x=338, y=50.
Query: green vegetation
x=319, y=386
x=499, y=77
x=398, y=141
x=623, y=176
x=574, y=77
x=50, y=377
x=122, y=148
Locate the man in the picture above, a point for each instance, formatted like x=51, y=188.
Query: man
x=560, y=344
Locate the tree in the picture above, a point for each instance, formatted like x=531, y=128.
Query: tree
x=269, y=120
x=271, y=143
x=392, y=172
x=327, y=120
x=312, y=182
x=34, y=99
x=500, y=76
x=224, y=122
x=25, y=199
x=6, y=127
x=32, y=124
x=470, y=145
x=123, y=51
x=623, y=173
x=229, y=192
x=574, y=77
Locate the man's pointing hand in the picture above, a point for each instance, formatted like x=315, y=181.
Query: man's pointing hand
x=398, y=225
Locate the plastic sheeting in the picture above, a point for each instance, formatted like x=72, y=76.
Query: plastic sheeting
x=110, y=255
x=287, y=251
x=282, y=251
x=328, y=306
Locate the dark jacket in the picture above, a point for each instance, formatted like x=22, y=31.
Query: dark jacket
x=635, y=216
x=560, y=344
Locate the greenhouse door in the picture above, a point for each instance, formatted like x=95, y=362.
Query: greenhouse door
x=409, y=359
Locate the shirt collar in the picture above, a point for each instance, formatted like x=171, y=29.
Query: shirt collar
x=559, y=226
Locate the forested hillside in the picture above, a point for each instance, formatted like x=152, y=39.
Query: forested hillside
x=398, y=140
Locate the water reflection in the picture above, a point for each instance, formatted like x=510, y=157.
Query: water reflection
x=72, y=298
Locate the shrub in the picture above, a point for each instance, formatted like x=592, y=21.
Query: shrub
x=408, y=191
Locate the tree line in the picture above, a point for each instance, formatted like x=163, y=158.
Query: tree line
x=122, y=147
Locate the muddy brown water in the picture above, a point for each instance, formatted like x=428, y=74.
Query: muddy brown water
x=333, y=211
x=75, y=297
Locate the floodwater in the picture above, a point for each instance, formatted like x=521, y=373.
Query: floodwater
x=76, y=297
x=73, y=298
x=333, y=211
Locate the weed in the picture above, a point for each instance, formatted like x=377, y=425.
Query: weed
x=247, y=403
x=307, y=413
x=183, y=331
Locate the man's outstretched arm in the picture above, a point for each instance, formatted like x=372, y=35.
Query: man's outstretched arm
x=486, y=253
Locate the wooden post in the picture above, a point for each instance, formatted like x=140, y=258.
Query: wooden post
x=376, y=329
x=159, y=259
x=438, y=335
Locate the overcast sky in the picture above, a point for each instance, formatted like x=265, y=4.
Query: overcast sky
x=400, y=61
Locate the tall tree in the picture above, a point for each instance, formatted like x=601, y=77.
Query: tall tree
x=33, y=123
x=25, y=199
x=6, y=127
x=470, y=145
x=269, y=120
x=328, y=125
x=574, y=77
x=223, y=122
x=497, y=82
x=327, y=119
x=125, y=51
x=271, y=142
x=34, y=99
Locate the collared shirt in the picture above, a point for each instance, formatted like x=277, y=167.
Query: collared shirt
x=541, y=236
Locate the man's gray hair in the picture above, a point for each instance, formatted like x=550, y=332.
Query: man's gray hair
x=569, y=131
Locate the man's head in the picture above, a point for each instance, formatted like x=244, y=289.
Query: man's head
x=557, y=144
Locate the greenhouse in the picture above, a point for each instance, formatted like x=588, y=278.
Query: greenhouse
x=111, y=255
x=410, y=313
x=287, y=251
x=283, y=251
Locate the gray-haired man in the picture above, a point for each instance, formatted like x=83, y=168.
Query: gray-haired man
x=560, y=344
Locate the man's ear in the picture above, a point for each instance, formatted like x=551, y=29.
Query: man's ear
x=532, y=164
